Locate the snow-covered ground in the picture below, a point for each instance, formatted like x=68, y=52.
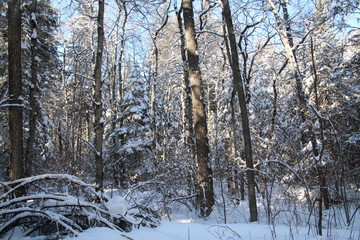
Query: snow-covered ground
x=185, y=225
x=207, y=231
x=290, y=220
x=182, y=228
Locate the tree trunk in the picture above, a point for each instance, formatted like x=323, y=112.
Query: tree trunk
x=113, y=76
x=288, y=45
x=234, y=173
x=99, y=122
x=121, y=80
x=324, y=192
x=239, y=87
x=187, y=119
x=188, y=130
x=154, y=81
x=15, y=92
x=205, y=192
x=153, y=95
x=30, y=147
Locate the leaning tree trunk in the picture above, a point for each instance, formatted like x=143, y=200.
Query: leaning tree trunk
x=204, y=188
x=239, y=88
x=15, y=91
x=286, y=37
x=99, y=122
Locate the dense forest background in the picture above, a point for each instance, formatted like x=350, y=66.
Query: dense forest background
x=198, y=102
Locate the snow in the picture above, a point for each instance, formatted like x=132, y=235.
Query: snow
x=34, y=33
x=12, y=105
x=68, y=177
x=179, y=223
x=186, y=225
x=117, y=206
x=184, y=230
x=25, y=45
x=98, y=233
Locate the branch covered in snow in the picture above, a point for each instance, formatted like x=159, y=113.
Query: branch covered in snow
x=73, y=209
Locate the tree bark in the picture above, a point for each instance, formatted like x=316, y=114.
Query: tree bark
x=15, y=92
x=99, y=122
x=30, y=147
x=187, y=105
x=205, y=192
x=239, y=88
x=234, y=174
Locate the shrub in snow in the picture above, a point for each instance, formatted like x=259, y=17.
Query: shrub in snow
x=60, y=204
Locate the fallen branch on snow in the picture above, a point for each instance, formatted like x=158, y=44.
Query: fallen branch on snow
x=61, y=204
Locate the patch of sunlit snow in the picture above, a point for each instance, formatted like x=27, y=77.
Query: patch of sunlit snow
x=189, y=220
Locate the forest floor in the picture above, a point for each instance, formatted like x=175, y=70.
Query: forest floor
x=188, y=230
x=183, y=224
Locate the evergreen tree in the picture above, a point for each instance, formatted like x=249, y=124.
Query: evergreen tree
x=41, y=66
x=133, y=161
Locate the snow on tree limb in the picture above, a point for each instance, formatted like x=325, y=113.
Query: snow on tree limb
x=48, y=211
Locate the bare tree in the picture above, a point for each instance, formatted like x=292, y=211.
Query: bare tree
x=288, y=42
x=99, y=120
x=239, y=88
x=204, y=188
x=164, y=20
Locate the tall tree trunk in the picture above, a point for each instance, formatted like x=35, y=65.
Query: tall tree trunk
x=187, y=106
x=239, y=87
x=30, y=147
x=153, y=95
x=235, y=174
x=154, y=80
x=187, y=119
x=99, y=122
x=204, y=189
x=15, y=91
x=113, y=77
x=120, y=72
